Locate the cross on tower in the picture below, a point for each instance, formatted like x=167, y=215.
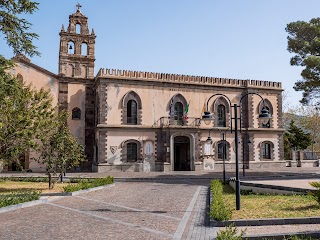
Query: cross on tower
x=78, y=6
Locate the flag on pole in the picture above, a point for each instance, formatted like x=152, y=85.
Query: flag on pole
x=186, y=112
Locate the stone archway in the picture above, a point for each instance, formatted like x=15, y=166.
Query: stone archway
x=182, y=152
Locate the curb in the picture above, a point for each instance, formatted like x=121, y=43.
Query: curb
x=23, y=205
x=280, y=236
x=266, y=222
x=282, y=188
x=66, y=194
x=43, y=199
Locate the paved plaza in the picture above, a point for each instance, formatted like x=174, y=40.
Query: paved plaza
x=144, y=206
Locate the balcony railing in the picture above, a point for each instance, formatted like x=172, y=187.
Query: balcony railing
x=171, y=121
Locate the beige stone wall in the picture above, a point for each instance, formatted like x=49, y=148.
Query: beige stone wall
x=259, y=138
x=116, y=137
x=256, y=102
x=76, y=99
x=156, y=102
x=37, y=79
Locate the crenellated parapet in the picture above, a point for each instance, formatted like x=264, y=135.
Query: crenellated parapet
x=176, y=78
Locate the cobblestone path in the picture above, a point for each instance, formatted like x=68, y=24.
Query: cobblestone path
x=155, y=209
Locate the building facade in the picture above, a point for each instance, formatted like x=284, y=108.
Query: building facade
x=144, y=121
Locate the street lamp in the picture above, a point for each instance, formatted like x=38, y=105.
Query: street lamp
x=209, y=140
x=264, y=117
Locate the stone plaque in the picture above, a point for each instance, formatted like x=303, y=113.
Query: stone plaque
x=207, y=148
x=148, y=148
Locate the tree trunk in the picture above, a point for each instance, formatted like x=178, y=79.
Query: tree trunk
x=50, y=180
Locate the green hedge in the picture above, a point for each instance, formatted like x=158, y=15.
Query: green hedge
x=218, y=209
x=88, y=183
x=18, y=197
x=25, y=179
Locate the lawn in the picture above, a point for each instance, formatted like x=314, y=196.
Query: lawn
x=255, y=206
x=15, y=186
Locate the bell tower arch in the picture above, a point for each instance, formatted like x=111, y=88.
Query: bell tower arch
x=76, y=53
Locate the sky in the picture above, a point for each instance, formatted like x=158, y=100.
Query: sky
x=231, y=39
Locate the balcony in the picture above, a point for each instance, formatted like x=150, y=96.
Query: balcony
x=171, y=121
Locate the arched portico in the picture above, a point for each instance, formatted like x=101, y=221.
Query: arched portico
x=190, y=151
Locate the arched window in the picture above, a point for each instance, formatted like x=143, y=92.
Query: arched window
x=132, y=152
x=266, y=150
x=222, y=151
x=131, y=109
x=78, y=28
x=221, y=108
x=221, y=116
x=76, y=114
x=132, y=112
x=178, y=113
x=84, y=49
x=71, y=47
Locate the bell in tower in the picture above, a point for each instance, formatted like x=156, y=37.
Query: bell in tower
x=76, y=54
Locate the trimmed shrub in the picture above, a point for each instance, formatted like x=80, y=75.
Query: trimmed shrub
x=18, y=197
x=88, y=183
x=24, y=179
x=218, y=209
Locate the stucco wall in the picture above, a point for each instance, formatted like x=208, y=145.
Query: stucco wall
x=76, y=99
x=37, y=79
x=259, y=138
x=116, y=138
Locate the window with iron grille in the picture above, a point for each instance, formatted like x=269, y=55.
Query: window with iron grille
x=221, y=116
x=178, y=112
x=132, y=152
x=222, y=150
x=132, y=112
x=266, y=150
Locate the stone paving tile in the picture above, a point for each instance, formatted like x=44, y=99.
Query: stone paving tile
x=49, y=222
x=200, y=225
x=136, y=212
x=141, y=218
x=168, y=197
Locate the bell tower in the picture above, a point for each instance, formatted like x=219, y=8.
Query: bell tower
x=76, y=54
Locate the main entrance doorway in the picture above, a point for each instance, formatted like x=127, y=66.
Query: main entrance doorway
x=181, y=153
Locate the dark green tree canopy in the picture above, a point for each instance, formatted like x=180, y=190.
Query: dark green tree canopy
x=15, y=29
x=304, y=42
x=296, y=138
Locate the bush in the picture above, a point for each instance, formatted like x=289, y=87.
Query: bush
x=218, y=209
x=88, y=183
x=25, y=179
x=316, y=194
x=18, y=197
x=230, y=233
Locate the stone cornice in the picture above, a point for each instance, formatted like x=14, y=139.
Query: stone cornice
x=185, y=79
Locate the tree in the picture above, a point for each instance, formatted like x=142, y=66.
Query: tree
x=24, y=116
x=304, y=41
x=15, y=28
x=310, y=121
x=296, y=138
x=60, y=149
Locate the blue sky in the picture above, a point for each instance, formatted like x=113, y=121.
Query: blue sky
x=230, y=38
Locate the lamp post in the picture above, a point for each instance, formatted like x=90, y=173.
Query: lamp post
x=264, y=116
x=223, y=134
x=244, y=165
